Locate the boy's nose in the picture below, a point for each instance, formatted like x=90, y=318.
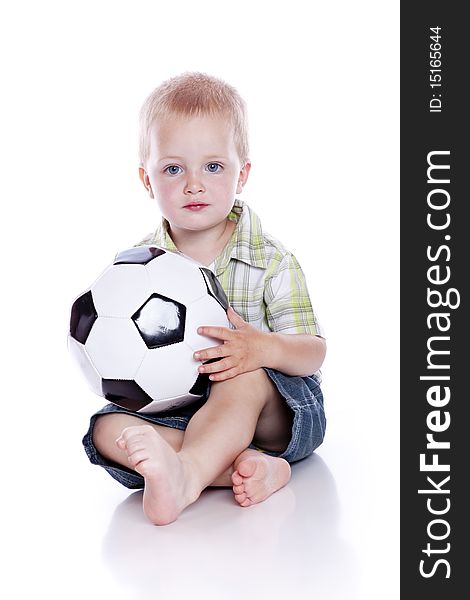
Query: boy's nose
x=193, y=185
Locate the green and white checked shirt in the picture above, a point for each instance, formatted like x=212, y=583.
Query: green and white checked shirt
x=263, y=281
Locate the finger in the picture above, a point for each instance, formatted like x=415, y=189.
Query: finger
x=216, y=366
x=235, y=318
x=220, y=333
x=223, y=375
x=211, y=353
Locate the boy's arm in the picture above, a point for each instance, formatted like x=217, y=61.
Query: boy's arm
x=246, y=348
x=295, y=353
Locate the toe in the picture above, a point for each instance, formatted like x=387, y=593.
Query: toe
x=254, y=489
x=238, y=489
x=236, y=478
x=246, y=502
x=247, y=467
x=240, y=497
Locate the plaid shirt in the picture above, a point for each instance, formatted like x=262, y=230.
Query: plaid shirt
x=263, y=281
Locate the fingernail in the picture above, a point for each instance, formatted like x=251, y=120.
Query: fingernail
x=197, y=355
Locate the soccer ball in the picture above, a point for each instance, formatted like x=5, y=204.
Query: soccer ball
x=133, y=333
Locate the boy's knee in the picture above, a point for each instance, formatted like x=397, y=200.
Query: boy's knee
x=250, y=385
x=99, y=428
x=250, y=378
x=107, y=427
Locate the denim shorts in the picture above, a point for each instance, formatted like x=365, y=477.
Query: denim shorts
x=302, y=394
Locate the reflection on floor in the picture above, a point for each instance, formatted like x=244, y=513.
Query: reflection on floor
x=287, y=546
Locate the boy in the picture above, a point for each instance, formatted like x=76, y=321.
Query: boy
x=264, y=408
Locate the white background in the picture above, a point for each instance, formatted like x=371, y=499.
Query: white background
x=321, y=83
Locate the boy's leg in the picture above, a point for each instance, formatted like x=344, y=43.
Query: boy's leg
x=237, y=411
x=240, y=410
x=108, y=427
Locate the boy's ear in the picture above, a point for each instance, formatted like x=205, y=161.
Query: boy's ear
x=144, y=178
x=245, y=171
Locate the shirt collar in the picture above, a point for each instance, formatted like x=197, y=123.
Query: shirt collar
x=162, y=237
x=247, y=241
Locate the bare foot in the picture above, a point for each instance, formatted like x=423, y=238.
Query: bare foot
x=167, y=482
x=256, y=476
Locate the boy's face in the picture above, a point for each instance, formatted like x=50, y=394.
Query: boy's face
x=194, y=171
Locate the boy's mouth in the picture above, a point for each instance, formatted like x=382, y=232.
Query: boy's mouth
x=195, y=205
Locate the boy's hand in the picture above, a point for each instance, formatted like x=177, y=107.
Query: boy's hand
x=243, y=349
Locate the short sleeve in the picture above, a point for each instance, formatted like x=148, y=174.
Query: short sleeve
x=288, y=305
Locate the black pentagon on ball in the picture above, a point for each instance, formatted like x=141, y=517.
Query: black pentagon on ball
x=125, y=393
x=202, y=383
x=82, y=317
x=140, y=255
x=214, y=288
x=160, y=321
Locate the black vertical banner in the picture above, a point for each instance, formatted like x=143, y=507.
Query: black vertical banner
x=435, y=268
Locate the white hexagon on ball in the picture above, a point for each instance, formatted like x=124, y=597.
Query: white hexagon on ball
x=82, y=360
x=187, y=283
x=115, y=347
x=120, y=289
x=205, y=311
x=168, y=372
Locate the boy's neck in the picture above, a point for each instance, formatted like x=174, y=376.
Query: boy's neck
x=203, y=246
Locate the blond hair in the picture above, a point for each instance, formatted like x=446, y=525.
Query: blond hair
x=194, y=94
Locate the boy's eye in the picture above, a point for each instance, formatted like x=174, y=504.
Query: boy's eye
x=213, y=167
x=173, y=170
